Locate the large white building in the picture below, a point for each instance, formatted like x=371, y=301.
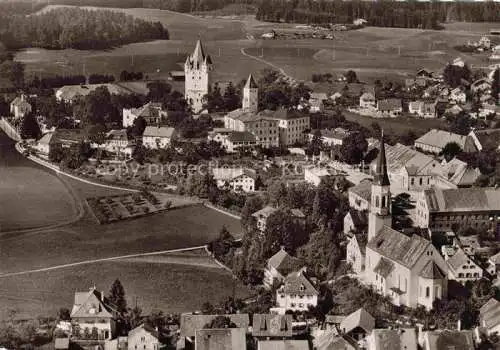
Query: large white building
x=297, y=293
x=408, y=269
x=197, y=70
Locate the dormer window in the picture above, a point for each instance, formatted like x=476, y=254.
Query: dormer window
x=302, y=288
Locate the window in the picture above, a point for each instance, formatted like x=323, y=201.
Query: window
x=420, y=181
x=383, y=201
x=460, y=275
x=377, y=201
x=427, y=292
x=412, y=181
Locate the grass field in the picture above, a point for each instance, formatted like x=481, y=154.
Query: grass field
x=26, y=188
x=171, y=283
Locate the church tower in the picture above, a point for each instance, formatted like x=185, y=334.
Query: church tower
x=197, y=71
x=251, y=95
x=380, y=205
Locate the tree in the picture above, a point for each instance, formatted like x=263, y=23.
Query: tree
x=29, y=127
x=117, y=296
x=450, y=150
x=13, y=71
x=138, y=126
x=316, y=145
x=64, y=314
x=283, y=229
x=351, y=77
x=134, y=317
x=353, y=148
x=495, y=86
x=252, y=204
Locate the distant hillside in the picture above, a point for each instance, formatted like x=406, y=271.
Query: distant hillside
x=77, y=28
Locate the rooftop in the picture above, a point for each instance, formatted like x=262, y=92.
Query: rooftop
x=241, y=136
x=297, y=283
x=161, y=132
x=432, y=271
x=284, y=263
x=271, y=325
x=92, y=304
x=359, y=318
x=463, y=199
x=490, y=313
x=220, y=339
x=398, y=247
x=446, y=339
x=363, y=189
x=439, y=138
x=190, y=323
x=389, y=104
x=283, y=345
x=395, y=339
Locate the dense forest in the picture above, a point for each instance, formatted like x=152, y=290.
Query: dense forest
x=9, y=8
x=405, y=14
x=76, y=28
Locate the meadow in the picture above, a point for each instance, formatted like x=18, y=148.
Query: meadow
x=170, y=283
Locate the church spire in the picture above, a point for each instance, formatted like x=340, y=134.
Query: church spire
x=251, y=84
x=381, y=177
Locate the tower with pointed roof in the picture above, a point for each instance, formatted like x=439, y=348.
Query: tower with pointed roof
x=380, y=203
x=250, y=95
x=197, y=71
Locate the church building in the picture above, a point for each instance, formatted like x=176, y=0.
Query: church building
x=408, y=269
x=197, y=69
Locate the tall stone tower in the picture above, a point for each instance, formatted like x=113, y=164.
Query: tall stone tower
x=250, y=95
x=380, y=205
x=197, y=70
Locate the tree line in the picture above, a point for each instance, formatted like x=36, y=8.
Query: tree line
x=401, y=14
x=78, y=29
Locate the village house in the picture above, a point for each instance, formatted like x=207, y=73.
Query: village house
x=447, y=339
x=331, y=340
x=448, y=209
x=279, y=266
x=157, y=137
x=93, y=317
x=283, y=345
x=462, y=268
x=272, y=326
x=66, y=138
x=297, y=293
x=392, y=339
x=481, y=86
x=316, y=102
x=458, y=96
x=453, y=110
x=356, y=252
x=333, y=137
x=43, y=145
x=20, y=107
x=152, y=112
x=262, y=215
x=314, y=175
x=390, y=108
x=116, y=142
x=484, y=42
x=423, y=109
x=355, y=221
x=71, y=93
x=261, y=125
x=435, y=140
x=219, y=134
x=489, y=317
x=221, y=339
x=408, y=269
x=358, y=325
x=239, y=140
x=145, y=337
x=236, y=179
x=192, y=323
x=360, y=195
x=494, y=264
x=367, y=100
x=486, y=139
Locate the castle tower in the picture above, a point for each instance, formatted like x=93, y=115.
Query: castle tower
x=380, y=205
x=197, y=70
x=250, y=95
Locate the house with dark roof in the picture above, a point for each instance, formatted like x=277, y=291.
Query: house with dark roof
x=360, y=194
x=333, y=137
x=157, y=137
x=358, y=325
x=279, y=266
x=494, y=264
x=66, y=138
x=392, y=339
x=448, y=209
x=283, y=345
x=192, y=323
x=145, y=337
x=93, y=317
x=331, y=340
x=355, y=221
x=489, y=317
x=272, y=326
x=152, y=112
x=297, y=293
x=447, y=339
x=221, y=339
x=390, y=108
x=261, y=216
